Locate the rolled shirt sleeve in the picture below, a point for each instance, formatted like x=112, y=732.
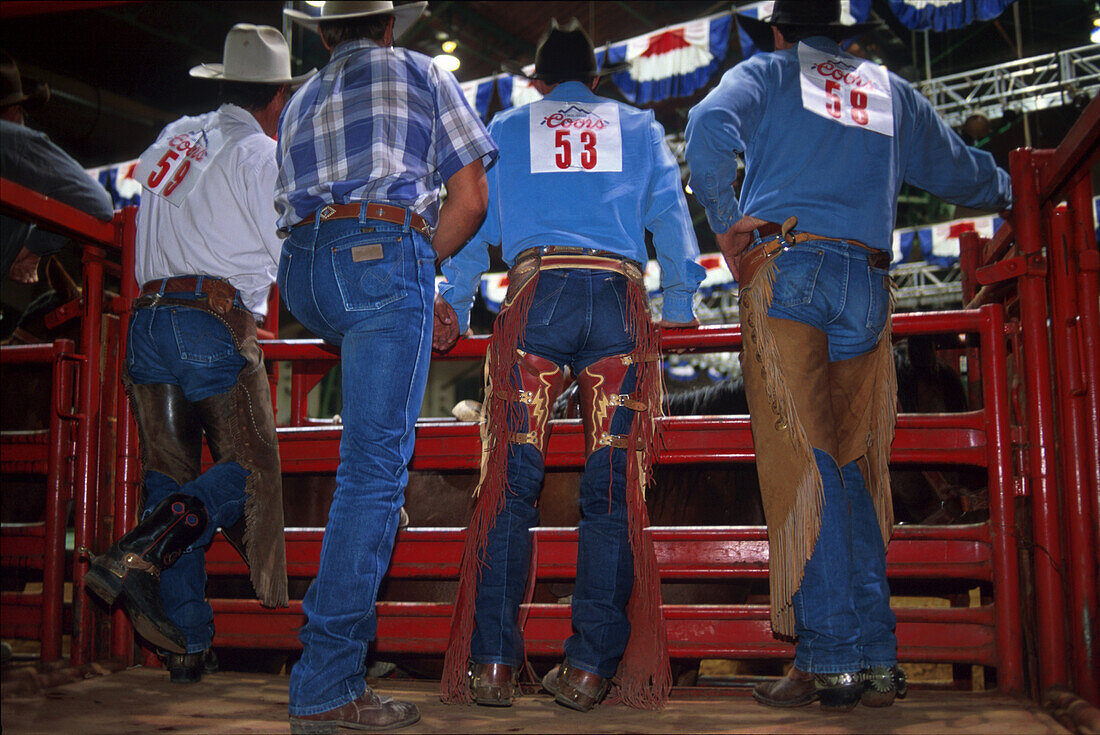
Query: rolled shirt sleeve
x=667, y=217
x=460, y=136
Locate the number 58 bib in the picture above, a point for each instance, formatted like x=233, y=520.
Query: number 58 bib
x=575, y=136
x=173, y=165
x=846, y=90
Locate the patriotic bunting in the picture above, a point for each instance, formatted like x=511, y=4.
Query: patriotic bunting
x=945, y=15
x=479, y=93
x=672, y=62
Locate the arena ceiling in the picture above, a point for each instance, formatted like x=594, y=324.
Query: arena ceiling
x=118, y=70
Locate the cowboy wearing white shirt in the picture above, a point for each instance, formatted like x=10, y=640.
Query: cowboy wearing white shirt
x=207, y=253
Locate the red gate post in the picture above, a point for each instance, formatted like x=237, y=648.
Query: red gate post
x=1071, y=387
x=1087, y=254
x=57, y=495
x=1002, y=502
x=87, y=471
x=1041, y=468
x=127, y=472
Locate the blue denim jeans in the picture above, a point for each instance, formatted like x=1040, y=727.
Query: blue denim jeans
x=842, y=609
x=192, y=349
x=368, y=287
x=576, y=318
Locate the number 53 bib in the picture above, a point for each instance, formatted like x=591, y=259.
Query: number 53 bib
x=575, y=136
x=172, y=166
x=846, y=90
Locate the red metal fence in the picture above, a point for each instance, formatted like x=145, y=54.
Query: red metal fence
x=1035, y=435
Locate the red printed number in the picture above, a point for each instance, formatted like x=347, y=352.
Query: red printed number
x=181, y=172
x=564, y=156
x=162, y=168
x=859, y=103
x=588, y=154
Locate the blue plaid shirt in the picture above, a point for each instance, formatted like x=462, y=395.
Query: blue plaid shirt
x=376, y=124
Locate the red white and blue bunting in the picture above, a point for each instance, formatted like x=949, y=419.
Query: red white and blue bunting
x=674, y=61
x=945, y=15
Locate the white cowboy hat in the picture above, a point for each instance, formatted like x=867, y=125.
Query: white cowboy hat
x=404, y=15
x=252, y=54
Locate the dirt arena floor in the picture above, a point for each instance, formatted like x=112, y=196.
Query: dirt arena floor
x=141, y=700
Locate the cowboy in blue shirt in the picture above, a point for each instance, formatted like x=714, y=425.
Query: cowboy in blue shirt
x=827, y=140
x=579, y=181
x=363, y=150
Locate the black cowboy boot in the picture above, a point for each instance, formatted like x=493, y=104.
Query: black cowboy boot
x=131, y=568
x=188, y=668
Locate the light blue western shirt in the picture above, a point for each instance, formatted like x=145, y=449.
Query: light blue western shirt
x=565, y=178
x=840, y=180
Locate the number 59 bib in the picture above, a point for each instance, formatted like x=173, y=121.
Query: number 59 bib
x=575, y=136
x=846, y=90
x=173, y=165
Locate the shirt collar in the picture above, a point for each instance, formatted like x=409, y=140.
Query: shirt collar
x=349, y=47
x=241, y=115
x=571, y=90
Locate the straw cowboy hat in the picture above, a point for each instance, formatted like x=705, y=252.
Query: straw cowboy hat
x=252, y=54
x=564, y=51
x=821, y=16
x=404, y=15
x=11, y=87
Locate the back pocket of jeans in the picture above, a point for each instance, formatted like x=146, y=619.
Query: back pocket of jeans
x=545, y=301
x=202, y=338
x=370, y=272
x=796, y=276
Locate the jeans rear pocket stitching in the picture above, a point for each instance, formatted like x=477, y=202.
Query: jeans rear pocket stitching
x=381, y=274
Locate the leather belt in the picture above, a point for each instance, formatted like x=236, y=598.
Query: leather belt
x=375, y=210
x=220, y=293
x=769, y=229
x=551, y=257
x=752, y=260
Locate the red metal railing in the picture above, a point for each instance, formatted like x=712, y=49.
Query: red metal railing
x=41, y=546
x=1045, y=268
x=1044, y=264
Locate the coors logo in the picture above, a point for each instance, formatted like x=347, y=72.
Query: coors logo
x=575, y=118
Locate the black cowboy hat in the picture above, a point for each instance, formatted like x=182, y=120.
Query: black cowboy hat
x=820, y=16
x=11, y=87
x=564, y=51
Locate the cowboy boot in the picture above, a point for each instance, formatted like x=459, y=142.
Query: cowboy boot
x=493, y=685
x=883, y=683
x=131, y=568
x=575, y=688
x=188, y=668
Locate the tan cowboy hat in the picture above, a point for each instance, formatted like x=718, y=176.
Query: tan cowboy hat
x=404, y=15
x=252, y=54
x=11, y=87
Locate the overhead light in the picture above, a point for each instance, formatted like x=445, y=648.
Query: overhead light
x=449, y=47
x=1095, y=35
x=447, y=62
x=687, y=188
x=441, y=35
x=315, y=3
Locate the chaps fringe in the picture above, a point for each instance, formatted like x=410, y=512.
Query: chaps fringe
x=644, y=678
x=792, y=539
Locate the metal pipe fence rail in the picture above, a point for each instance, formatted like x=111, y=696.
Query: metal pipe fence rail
x=1044, y=267
x=1025, y=437
x=979, y=554
x=40, y=546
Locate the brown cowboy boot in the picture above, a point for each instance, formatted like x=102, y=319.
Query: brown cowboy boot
x=796, y=689
x=131, y=568
x=493, y=685
x=368, y=712
x=575, y=688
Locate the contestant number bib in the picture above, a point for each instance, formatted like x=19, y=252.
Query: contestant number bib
x=846, y=90
x=575, y=136
x=172, y=166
